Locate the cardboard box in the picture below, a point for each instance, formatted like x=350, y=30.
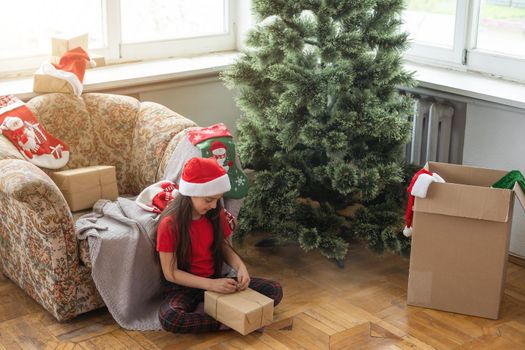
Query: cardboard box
x=61, y=44
x=82, y=187
x=99, y=60
x=460, y=241
x=243, y=311
x=47, y=83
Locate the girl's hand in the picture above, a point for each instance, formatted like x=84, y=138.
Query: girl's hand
x=243, y=278
x=223, y=285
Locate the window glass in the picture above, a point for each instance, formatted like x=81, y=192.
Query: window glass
x=154, y=20
x=27, y=32
x=431, y=21
x=502, y=27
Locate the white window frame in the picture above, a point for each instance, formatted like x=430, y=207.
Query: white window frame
x=488, y=62
x=117, y=52
x=464, y=56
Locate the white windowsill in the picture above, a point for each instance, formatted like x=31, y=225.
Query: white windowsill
x=470, y=84
x=147, y=75
x=136, y=74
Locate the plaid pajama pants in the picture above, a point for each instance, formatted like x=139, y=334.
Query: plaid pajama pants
x=176, y=311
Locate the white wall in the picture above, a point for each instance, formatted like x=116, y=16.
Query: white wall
x=205, y=102
x=495, y=138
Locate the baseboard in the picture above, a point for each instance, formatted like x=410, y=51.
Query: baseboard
x=517, y=259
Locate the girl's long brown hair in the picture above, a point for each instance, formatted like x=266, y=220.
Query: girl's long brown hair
x=180, y=208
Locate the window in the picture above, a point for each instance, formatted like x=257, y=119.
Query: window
x=165, y=20
x=121, y=30
x=502, y=27
x=422, y=19
x=487, y=36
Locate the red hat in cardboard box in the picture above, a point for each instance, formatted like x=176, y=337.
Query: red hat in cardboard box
x=418, y=188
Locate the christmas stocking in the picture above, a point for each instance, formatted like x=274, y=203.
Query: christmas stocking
x=418, y=188
x=216, y=141
x=20, y=126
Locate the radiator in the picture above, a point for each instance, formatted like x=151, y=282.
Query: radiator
x=431, y=132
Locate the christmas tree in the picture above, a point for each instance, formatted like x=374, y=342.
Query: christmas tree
x=323, y=124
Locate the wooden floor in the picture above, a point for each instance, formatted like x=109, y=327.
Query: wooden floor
x=362, y=306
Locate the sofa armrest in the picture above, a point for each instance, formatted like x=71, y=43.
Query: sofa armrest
x=37, y=241
x=8, y=150
x=155, y=130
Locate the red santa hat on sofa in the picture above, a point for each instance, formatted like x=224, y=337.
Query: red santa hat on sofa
x=71, y=68
x=156, y=197
x=418, y=188
x=203, y=177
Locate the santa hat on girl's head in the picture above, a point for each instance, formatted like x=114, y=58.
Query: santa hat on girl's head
x=71, y=67
x=418, y=188
x=203, y=177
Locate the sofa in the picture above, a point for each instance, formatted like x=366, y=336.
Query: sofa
x=38, y=246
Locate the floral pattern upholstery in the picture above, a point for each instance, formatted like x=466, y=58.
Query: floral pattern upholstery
x=38, y=247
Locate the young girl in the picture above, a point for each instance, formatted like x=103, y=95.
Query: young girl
x=192, y=245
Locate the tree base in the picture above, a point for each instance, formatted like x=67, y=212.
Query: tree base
x=266, y=242
x=340, y=263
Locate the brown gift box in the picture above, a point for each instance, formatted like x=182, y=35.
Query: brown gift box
x=47, y=83
x=460, y=242
x=82, y=187
x=61, y=44
x=243, y=311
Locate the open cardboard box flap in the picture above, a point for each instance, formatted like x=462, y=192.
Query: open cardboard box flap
x=467, y=193
x=472, y=202
x=466, y=175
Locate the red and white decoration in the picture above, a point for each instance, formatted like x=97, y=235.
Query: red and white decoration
x=201, y=134
x=418, y=188
x=203, y=177
x=156, y=197
x=218, y=151
x=71, y=68
x=20, y=126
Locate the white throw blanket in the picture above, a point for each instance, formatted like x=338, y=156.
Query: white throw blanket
x=125, y=270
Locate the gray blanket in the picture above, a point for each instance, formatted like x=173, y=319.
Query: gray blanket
x=125, y=269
